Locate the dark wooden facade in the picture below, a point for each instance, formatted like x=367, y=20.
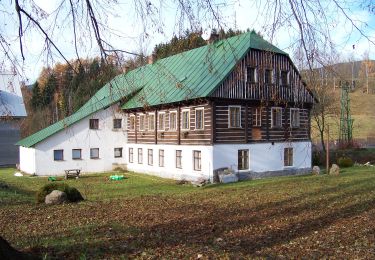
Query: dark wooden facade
x=236, y=90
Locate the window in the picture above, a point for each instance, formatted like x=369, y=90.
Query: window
x=243, y=159
x=161, y=158
x=268, y=76
x=257, y=117
x=185, y=124
x=294, y=117
x=150, y=159
x=276, y=117
x=151, y=122
x=234, y=116
x=173, y=121
x=199, y=118
x=141, y=122
x=118, y=152
x=132, y=123
x=284, y=78
x=94, y=123
x=178, y=159
x=117, y=123
x=251, y=74
x=161, y=121
x=94, y=153
x=197, y=160
x=288, y=156
x=131, y=155
x=140, y=155
x=58, y=155
x=76, y=154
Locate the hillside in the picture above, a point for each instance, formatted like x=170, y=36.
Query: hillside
x=363, y=112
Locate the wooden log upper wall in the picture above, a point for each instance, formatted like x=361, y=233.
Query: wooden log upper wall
x=250, y=132
x=235, y=85
x=168, y=135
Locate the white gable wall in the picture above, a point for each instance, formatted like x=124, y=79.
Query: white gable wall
x=79, y=136
x=27, y=159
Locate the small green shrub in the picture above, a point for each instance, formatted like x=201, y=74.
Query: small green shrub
x=72, y=193
x=345, y=162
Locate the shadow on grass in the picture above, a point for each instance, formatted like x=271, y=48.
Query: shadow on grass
x=244, y=227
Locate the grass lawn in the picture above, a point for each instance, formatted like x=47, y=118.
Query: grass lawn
x=149, y=217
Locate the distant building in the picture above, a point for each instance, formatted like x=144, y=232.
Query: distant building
x=12, y=110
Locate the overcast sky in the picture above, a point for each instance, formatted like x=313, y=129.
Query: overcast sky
x=237, y=14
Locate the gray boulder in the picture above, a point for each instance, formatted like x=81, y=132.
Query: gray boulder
x=316, y=170
x=228, y=178
x=335, y=170
x=56, y=197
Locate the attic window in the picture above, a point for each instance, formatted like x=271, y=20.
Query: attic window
x=94, y=123
x=251, y=74
x=284, y=78
x=117, y=123
x=268, y=76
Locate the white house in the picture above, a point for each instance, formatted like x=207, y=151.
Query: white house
x=237, y=103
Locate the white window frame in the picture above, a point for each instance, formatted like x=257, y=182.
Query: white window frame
x=291, y=119
x=281, y=115
x=289, y=164
x=142, y=127
x=178, y=166
x=132, y=125
x=246, y=162
x=229, y=117
x=198, y=109
x=140, y=155
x=197, y=161
x=175, y=123
x=151, y=123
x=120, y=149
x=257, y=117
x=131, y=155
x=150, y=157
x=159, y=127
x=182, y=119
x=161, y=162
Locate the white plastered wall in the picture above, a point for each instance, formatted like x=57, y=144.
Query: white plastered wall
x=169, y=170
x=263, y=157
x=79, y=136
x=27, y=160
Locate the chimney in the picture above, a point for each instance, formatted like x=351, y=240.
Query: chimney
x=214, y=37
x=151, y=59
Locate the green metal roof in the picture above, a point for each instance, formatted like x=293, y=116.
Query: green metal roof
x=187, y=75
x=120, y=87
x=195, y=73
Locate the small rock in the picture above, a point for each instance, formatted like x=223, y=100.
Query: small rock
x=199, y=256
x=335, y=170
x=56, y=197
x=18, y=174
x=316, y=170
x=199, y=182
